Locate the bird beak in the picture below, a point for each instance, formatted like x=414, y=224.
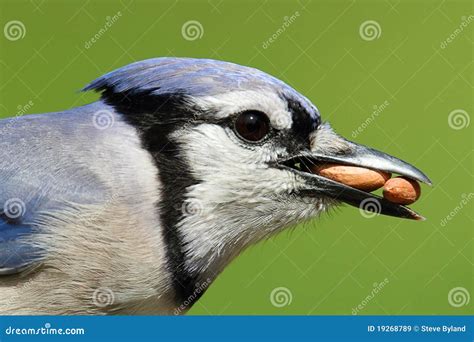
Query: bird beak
x=350, y=153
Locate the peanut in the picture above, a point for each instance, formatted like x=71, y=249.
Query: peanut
x=354, y=176
x=401, y=190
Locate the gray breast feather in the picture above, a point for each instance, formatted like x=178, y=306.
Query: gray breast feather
x=48, y=162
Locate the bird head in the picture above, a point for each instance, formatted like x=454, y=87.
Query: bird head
x=232, y=146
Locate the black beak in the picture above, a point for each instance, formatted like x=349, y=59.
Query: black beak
x=354, y=154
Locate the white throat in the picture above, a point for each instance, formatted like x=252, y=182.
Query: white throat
x=236, y=203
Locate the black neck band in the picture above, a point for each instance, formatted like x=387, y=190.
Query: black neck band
x=156, y=117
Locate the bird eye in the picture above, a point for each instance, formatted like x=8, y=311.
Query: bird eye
x=252, y=125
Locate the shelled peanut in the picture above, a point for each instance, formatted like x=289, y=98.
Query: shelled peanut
x=401, y=190
x=354, y=176
x=398, y=190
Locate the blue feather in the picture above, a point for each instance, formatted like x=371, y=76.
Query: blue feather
x=43, y=167
x=193, y=77
x=15, y=252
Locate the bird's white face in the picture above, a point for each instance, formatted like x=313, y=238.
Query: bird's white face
x=240, y=196
x=250, y=153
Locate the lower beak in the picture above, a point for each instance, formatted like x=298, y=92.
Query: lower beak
x=355, y=155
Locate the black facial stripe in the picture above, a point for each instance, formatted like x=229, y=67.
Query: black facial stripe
x=156, y=117
x=303, y=122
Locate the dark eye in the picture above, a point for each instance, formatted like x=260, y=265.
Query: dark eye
x=252, y=125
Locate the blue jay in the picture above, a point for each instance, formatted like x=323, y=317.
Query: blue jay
x=135, y=203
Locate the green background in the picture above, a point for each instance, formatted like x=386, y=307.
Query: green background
x=330, y=265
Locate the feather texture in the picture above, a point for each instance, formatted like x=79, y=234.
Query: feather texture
x=85, y=199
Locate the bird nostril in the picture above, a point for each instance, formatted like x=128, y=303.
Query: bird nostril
x=300, y=164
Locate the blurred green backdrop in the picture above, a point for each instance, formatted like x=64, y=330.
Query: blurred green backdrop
x=395, y=75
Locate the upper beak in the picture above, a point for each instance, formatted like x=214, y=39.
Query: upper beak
x=354, y=154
